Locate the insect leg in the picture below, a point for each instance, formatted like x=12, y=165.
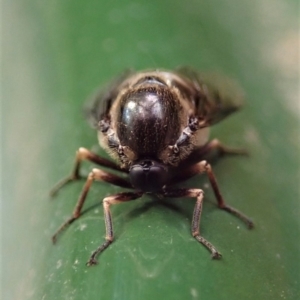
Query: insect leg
x=96, y=174
x=215, y=144
x=114, y=199
x=222, y=149
x=205, y=167
x=83, y=154
x=198, y=194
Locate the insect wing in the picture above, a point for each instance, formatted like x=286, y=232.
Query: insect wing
x=99, y=105
x=217, y=96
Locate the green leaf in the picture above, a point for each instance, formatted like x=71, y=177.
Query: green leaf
x=55, y=54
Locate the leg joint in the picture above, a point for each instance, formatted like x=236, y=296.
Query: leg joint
x=91, y=175
x=109, y=239
x=82, y=152
x=195, y=233
x=204, y=166
x=195, y=193
x=107, y=201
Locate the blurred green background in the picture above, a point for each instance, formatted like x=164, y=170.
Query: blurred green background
x=54, y=55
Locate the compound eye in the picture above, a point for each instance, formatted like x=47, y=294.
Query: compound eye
x=148, y=176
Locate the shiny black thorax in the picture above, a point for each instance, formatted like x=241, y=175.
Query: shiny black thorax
x=148, y=119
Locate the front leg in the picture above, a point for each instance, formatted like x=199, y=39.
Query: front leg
x=109, y=237
x=204, y=167
x=96, y=174
x=198, y=194
x=83, y=154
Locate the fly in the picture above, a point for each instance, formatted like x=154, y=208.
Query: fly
x=155, y=126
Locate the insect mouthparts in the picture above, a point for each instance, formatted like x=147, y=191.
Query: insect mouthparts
x=148, y=175
x=146, y=164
